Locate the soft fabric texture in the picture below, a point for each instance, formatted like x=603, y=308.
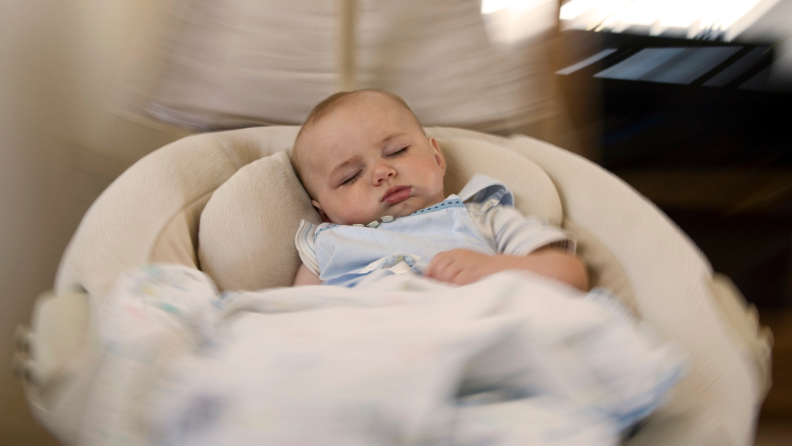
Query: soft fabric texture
x=178, y=239
x=245, y=240
x=670, y=277
x=137, y=209
x=534, y=192
x=627, y=243
x=514, y=359
x=603, y=270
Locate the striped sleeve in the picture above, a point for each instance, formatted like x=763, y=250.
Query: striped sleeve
x=511, y=233
x=304, y=241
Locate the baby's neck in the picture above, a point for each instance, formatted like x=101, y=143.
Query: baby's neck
x=390, y=218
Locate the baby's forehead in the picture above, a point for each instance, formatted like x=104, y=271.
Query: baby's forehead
x=338, y=129
x=333, y=127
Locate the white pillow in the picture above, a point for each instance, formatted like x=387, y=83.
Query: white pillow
x=534, y=191
x=246, y=234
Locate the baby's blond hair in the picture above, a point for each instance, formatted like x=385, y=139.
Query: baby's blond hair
x=328, y=106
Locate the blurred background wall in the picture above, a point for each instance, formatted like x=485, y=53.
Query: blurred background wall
x=60, y=146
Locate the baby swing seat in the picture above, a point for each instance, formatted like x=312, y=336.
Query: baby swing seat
x=229, y=203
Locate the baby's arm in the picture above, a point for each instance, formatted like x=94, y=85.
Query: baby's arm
x=462, y=266
x=306, y=277
x=522, y=243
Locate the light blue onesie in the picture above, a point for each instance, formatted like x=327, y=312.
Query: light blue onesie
x=488, y=223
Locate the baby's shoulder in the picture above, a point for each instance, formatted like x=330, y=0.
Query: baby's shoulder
x=486, y=191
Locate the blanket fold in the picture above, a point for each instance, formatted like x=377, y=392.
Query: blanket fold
x=512, y=359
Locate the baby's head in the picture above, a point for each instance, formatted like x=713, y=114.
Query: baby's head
x=363, y=155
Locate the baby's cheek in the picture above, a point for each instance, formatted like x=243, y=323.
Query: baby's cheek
x=356, y=212
x=434, y=177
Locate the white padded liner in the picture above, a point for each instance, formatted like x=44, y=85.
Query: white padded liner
x=534, y=192
x=246, y=237
x=123, y=225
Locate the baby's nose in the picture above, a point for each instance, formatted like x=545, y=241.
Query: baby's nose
x=383, y=172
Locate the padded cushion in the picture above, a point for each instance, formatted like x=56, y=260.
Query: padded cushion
x=125, y=225
x=247, y=228
x=534, y=192
x=246, y=235
x=603, y=269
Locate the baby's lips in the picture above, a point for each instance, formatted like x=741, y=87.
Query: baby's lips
x=397, y=194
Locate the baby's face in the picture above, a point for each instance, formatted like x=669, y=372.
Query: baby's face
x=368, y=159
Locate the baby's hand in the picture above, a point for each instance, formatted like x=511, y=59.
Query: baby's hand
x=461, y=266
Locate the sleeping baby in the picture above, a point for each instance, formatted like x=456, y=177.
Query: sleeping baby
x=377, y=181
x=504, y=361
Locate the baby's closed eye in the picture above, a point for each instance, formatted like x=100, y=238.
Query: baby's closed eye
x=352, y=179
x=399, y=152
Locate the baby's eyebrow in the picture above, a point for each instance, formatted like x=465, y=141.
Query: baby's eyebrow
x=391, y=136
x=343, y=165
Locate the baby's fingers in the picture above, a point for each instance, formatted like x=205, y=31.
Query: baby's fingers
x=443, y=268
x=438, y=263
x=463, y=277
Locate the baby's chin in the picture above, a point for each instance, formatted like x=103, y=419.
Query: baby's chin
x=358, y=221
x=403, y=209
x=406, y=208
x=366, y=221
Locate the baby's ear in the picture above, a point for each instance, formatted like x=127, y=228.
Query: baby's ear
x=322, y=213
x=438, y=153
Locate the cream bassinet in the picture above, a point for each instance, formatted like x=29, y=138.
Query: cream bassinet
x=229, y=203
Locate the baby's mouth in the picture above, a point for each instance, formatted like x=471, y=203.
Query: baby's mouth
x=396, y=194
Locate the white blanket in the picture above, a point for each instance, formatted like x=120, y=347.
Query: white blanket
x=512, y=360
